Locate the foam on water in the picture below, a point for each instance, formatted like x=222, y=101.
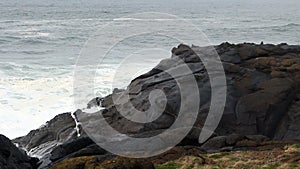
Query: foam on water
x=28, y=103
x=33, y=95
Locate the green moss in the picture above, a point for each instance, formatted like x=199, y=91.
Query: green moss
x=77, y=163
x=294, y=165
x=272, y=166
x=295, y=146
x=215, y=167
x=233, y=158
x=170, y=165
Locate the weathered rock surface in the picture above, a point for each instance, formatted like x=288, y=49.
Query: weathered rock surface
x=12, y=157
x=262, y=102
x=82, y=146
x=233, y=141
x=262, y=91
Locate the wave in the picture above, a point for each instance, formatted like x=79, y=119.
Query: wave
x=281, y=28
x=36, y=52
x=32, y=71
x=285, y=28
x=32, y=101
x=289, y=25
x=12, y=37
x=292, y=25
x=71, y=38
x=42, y=21
x=27, y=39
x=137, y=19
x=37, y=34
x=2, y=41
x=27, y=52
x=9, y=21
x=33, y=41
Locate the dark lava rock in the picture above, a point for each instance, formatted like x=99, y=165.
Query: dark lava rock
x=262, y=91
x=12, y=157
x=214, y=144
x=233, y=138
x=230, y=142
x=69, y=147
x=82, y=146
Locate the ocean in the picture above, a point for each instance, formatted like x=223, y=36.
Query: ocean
x=41, y=40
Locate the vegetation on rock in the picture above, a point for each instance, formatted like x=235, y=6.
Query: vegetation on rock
x=267, y=157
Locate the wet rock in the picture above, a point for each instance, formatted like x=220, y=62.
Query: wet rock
x=63, y=150
x=61, y=128
x=96, y=102
x=12, y=157
x=42, y=141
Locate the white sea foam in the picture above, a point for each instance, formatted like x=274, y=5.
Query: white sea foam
x=27, y=103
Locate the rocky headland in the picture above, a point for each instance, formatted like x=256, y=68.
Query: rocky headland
x=259, y=127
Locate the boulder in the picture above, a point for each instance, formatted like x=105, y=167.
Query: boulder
x=233, y=139
x=214, y=144
x=257, y=102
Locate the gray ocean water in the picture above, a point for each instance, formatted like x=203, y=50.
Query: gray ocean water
x=40, y=41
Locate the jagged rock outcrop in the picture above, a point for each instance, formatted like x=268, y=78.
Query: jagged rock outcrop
x=262, y=102
x=12, y=157
x=262, y=91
